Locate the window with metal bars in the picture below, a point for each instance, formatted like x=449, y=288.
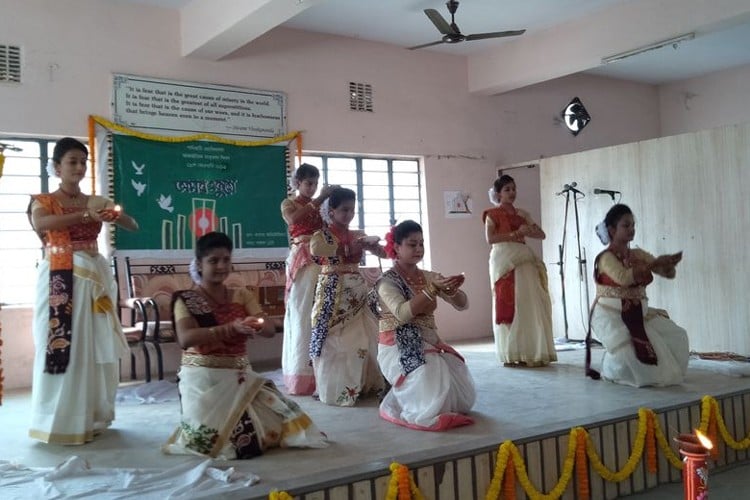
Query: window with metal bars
x=389, y=190
x=24, y=174
x=10, y=63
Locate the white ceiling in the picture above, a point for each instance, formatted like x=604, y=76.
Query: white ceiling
x=403, y=23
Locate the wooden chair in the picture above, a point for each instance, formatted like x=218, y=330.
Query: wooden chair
x=134, y=334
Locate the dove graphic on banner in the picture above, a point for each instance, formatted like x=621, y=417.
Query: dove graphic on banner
x=165, y=203
x=138, y=168
x=139, y=187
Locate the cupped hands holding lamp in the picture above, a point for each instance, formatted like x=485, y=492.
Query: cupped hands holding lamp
x=432, y=389
x=228, y=411
x=77, y=334
x=643, y=346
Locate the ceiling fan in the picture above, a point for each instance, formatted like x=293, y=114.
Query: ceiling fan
x=451, y=33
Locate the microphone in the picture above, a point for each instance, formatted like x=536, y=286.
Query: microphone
x=570, y=187
x=610, y=192
x=9, y=147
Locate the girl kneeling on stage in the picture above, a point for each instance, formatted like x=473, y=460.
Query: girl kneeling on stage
x=431, y=386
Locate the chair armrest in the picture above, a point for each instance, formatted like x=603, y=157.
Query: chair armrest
x=143, y=308
x=137, y=308
x=134, y=302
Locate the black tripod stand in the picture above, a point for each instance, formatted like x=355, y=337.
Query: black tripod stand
x=581, y=257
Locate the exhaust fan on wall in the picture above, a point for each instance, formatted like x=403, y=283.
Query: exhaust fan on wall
x=575, y=116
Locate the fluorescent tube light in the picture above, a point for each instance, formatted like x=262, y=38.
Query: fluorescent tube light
x=657, y=45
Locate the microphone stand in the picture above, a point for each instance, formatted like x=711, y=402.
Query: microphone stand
x=582, y=269
x=561, y=263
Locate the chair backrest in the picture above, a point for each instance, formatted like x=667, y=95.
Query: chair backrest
x=157, y=280
x=160, y=279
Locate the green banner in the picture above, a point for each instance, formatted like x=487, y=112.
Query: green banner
x=178, y=191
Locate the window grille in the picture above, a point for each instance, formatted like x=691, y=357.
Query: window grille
x=10, y=64
x=389, y=190
x=360, y=97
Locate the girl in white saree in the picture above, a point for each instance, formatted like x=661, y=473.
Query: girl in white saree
x=302, y=215
x=77, y=333
x=432, y=388
x=343, y=345
x=643, y=346
x=521, y=307
x=228, y=410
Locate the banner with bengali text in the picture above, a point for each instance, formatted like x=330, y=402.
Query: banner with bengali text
x=178, y=191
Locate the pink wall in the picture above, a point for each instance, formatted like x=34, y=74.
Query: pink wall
x=714, y=100
x=422, y=108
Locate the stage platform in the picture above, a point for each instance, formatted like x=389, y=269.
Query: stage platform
x=533, y=407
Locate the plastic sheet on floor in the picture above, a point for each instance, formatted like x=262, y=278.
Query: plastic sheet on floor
x=160, y=391
x=729, y=368
x=75, y=478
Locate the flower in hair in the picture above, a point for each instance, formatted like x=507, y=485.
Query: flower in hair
x=493, y=196
x=193, y=271
x=325, y=212
x=390, y=249
x=51, y=168
x=602, y=232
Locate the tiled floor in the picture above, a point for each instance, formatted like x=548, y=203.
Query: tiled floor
x=512, y=403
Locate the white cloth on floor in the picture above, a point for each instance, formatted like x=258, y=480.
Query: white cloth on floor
x=75, y=478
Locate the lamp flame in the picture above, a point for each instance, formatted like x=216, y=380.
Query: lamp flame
x=705, y=442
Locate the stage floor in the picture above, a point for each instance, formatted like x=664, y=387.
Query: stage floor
x=512, y=403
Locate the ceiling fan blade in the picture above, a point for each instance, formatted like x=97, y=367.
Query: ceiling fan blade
x=496, y=34
x=426, y=45
x=439, y=21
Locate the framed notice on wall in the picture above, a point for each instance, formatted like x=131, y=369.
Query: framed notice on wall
x=162, y=105
x=178, y=191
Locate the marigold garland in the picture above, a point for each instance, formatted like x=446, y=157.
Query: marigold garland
x=404, y=488
x=503, y=455
x=509, y=482
x=195, y=137
x=401, y=486
x=648, y=437
x=508, y=452
x=582, y=468
x=580, y=448
x=630, y=465
x=280, y=495
x=713, y=405
x=650, y=442
x=666, y=448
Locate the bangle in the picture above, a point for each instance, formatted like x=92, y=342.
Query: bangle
x=431, y=288
x=427, y=294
